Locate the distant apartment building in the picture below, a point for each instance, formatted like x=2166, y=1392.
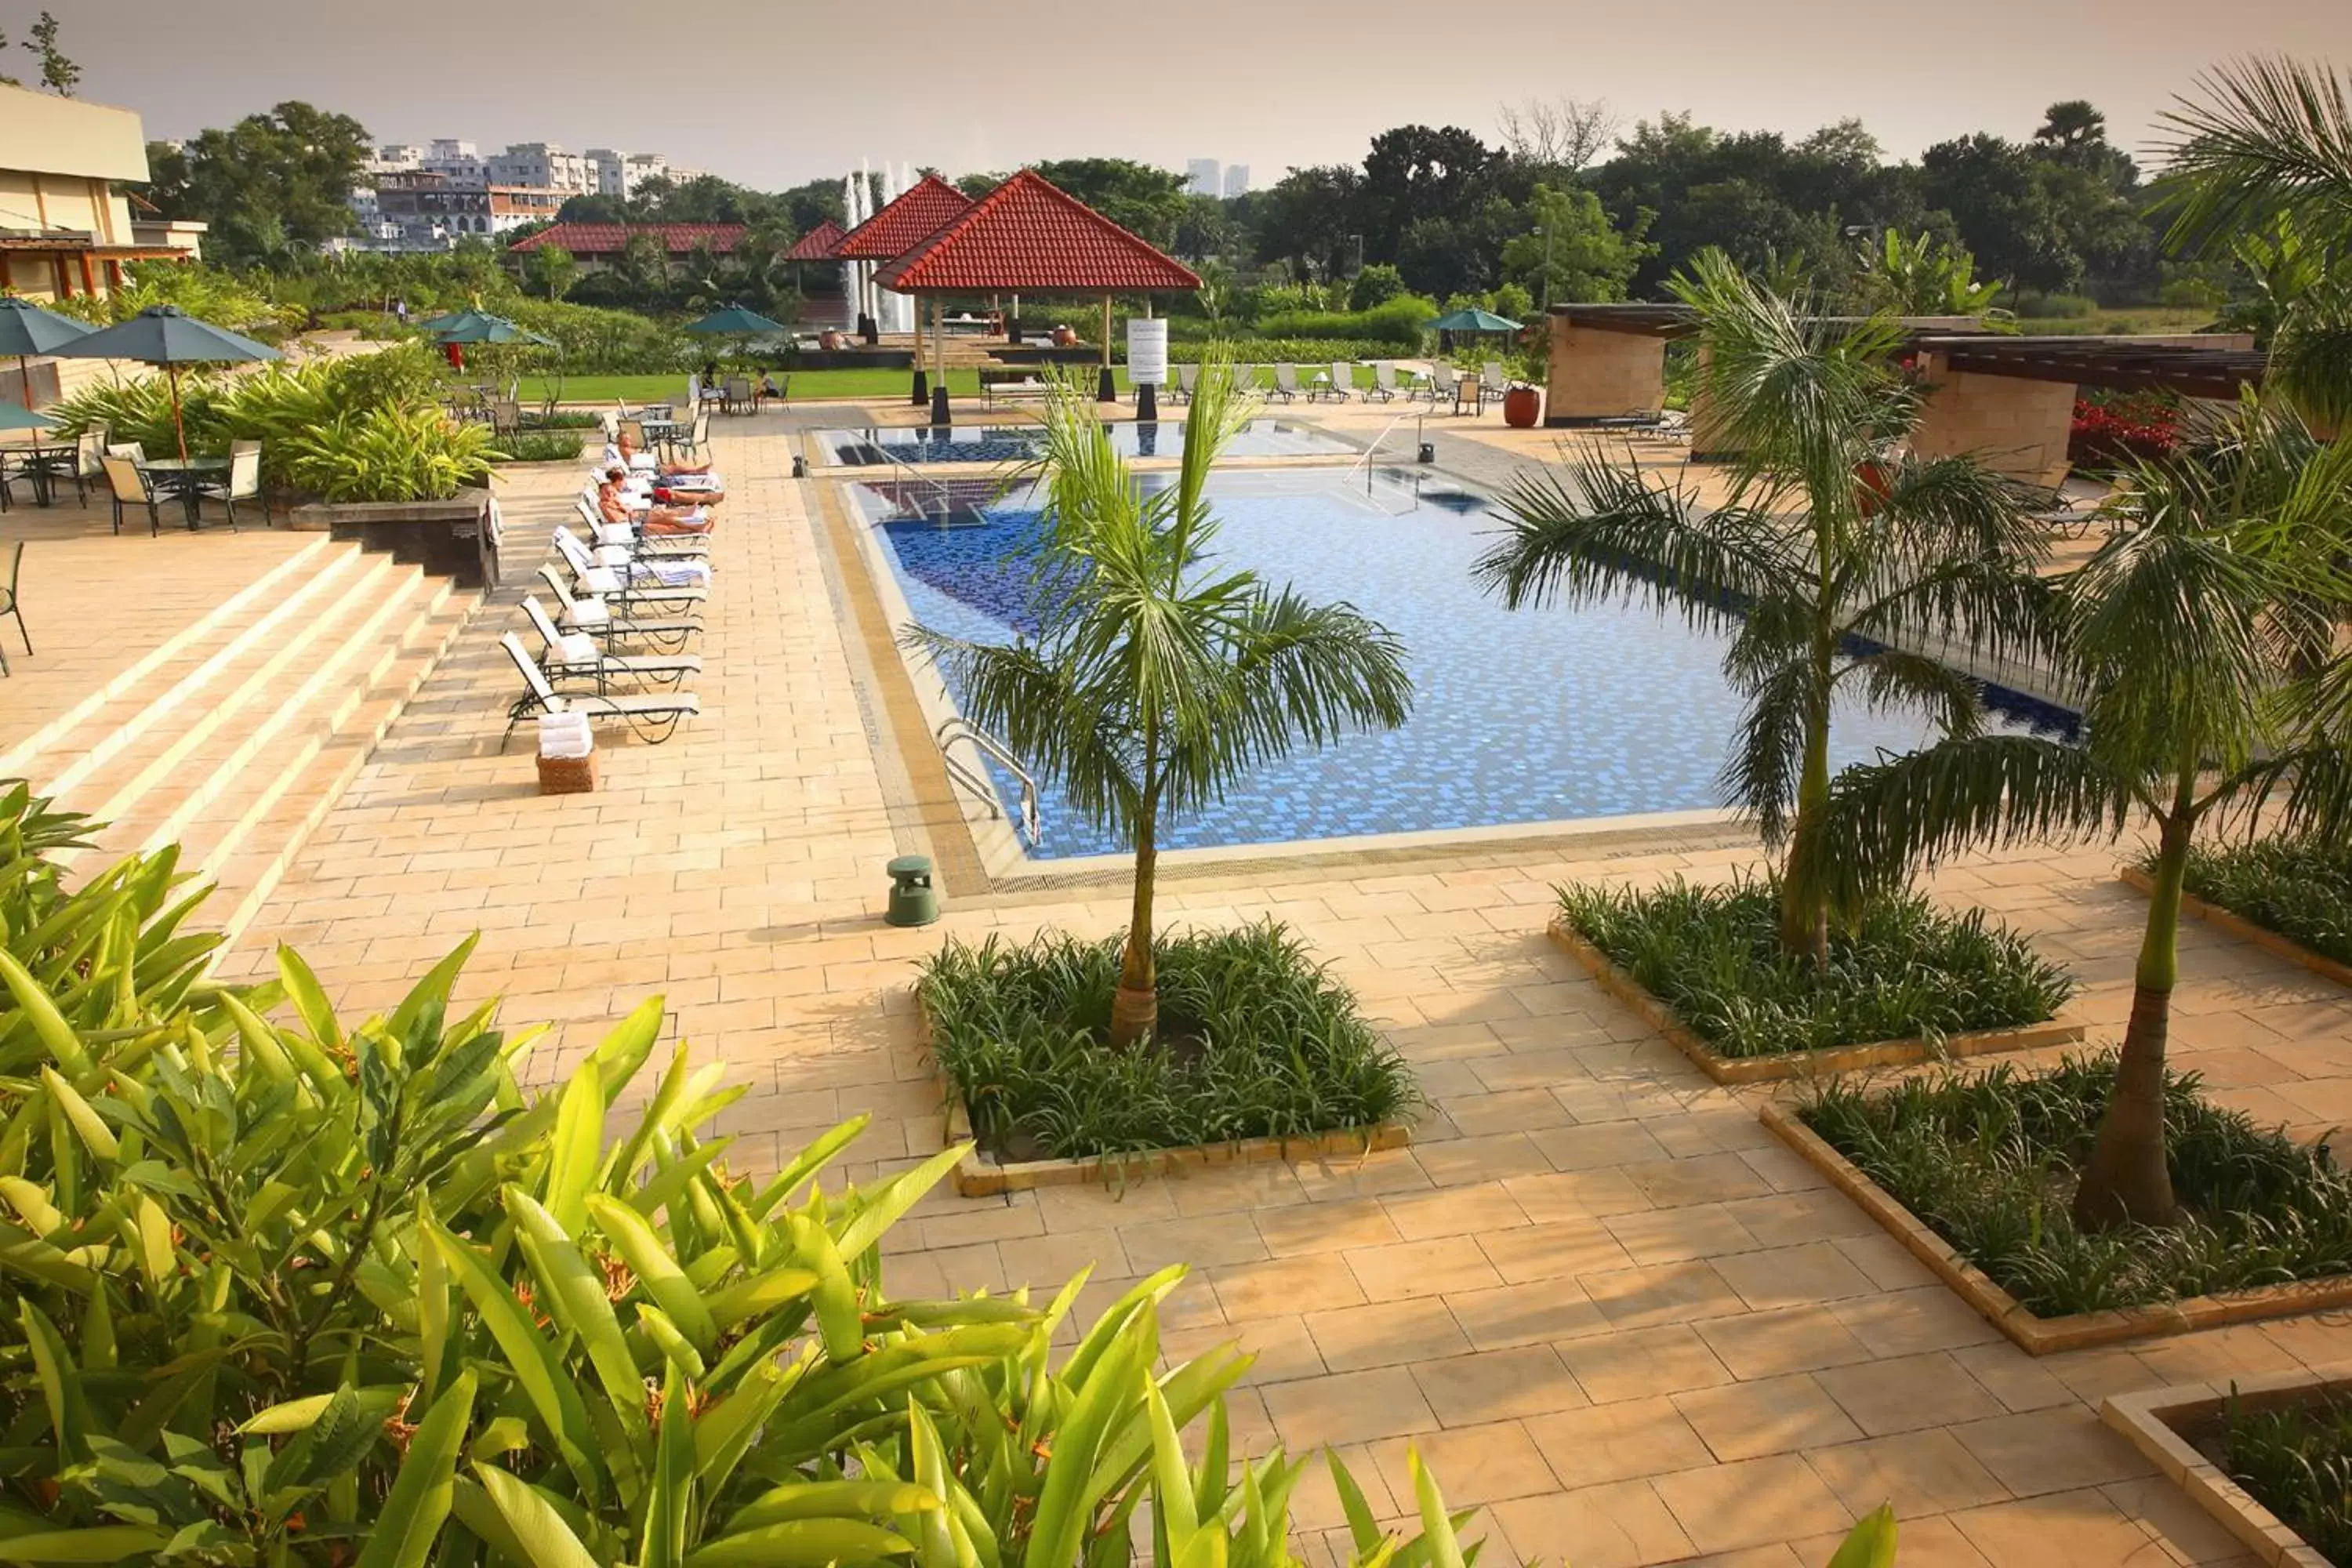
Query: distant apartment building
x=420, y=210
x=1236, y=181
x=455, y=160
x=1200, y=177
x=623, y=174
x=397, y=155
x=541, y=165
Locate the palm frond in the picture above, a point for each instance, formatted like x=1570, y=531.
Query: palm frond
x=2311, y=355
x=2263, y=137
x=1050, y=711
x=1888, y=817
x=1587, y=531
x=1761, y=771
x=1893, y=680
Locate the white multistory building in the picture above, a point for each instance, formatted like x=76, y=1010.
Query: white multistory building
x=541, y=166
x=1236, y=181
x=1200, y=177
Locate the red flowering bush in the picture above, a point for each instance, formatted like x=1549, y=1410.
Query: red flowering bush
x=2112, y=430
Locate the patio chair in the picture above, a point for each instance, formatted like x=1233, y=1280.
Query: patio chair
x=128, y=481
x=1285, y=382
x=243, y=482
x=1491, y=384
x=506, y=416
x=131, y=449
x=577, y=656
x=1444, y=385
x=695, y=441
x=12, y=603
x=655, y=718
x=735, y=396
x=1343, y=380
x=1188, y=379
x=1384, y=386
x=591, y=616
x=625, y=536
x=610, y=576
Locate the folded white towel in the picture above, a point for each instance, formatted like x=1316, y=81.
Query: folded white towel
x=576, y=648
x=589, y=612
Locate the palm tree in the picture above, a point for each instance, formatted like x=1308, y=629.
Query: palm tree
x=2269, y=139
x=2203, y=635
x=1832, y=557
x=1157, y=676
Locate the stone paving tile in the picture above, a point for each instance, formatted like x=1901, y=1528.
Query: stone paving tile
x=1595, y=1264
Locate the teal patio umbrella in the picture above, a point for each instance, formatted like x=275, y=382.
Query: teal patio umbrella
x=481, y=327
x=168, y=336
x=15, y=416
x=736, y=321
x=27, y=330
x=1473, y=320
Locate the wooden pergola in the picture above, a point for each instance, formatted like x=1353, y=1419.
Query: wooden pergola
x=1028, y=237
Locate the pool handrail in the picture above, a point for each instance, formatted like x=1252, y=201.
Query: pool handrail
x=956, y=727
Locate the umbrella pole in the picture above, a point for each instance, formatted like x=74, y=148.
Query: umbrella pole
x=178, y=428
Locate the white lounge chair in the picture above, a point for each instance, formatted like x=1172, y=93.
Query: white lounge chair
x=578, y=656
x=628, y=536
x=1384, y=386
x=593, y=616
x=1491, y=384
x=1343, y=380
x=1285, y=382
x=625, y=589
x=1188, y=378
x=654, y=717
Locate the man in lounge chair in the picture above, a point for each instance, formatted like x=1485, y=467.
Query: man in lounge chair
x=656, y=521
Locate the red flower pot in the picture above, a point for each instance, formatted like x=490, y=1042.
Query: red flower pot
x=1872, y=482
x=1522, y=407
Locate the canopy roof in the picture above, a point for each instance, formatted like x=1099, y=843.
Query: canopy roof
x=1643, y=318
x=816, y=245
x=919, y=210
x=1028, y=235
x=612, y=239
x=2218, y=369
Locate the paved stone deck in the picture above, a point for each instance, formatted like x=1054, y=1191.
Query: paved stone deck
x=1598, y=1296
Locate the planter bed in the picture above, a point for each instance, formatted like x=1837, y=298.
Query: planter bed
x=2029, y=986
x=2247, y=929
x=2182, y=1431
x=1961, y=1192
x=1260, y=1058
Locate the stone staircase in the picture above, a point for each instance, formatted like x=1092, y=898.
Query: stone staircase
x=237, y=735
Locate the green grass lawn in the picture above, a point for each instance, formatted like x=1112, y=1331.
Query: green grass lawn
x=2152, y=318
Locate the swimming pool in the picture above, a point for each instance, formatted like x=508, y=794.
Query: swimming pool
x=1518, y=717
x=1018, y=443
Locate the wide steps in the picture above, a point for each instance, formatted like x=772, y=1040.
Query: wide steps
x=237, y=737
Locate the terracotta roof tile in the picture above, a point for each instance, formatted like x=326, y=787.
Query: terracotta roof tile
x=816, y=245
x=1028, y=235
x=919, y=210
x=612, y=239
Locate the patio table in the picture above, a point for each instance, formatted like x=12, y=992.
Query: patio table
x=184, y=478
x=44, y=464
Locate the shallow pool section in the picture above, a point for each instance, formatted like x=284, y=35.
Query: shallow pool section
x=1018, y=443
x=1518, y=717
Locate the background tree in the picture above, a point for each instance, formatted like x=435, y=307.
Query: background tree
x=1919, y=275
x=1800, y=564
x=1307, y=219
x=1136, y=196
x=270, y=182
x=644, y=263
x=58, y=74
x=1573, y=251
x=1558, y=138
x=1158, y=675
x=551, y=270
x=2200, y=636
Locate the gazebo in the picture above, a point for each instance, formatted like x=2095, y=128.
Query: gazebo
x=1029, y=237
x=920, y=210
x=816, y=245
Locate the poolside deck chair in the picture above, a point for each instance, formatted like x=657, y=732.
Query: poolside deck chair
x=1444, y=384
x=1244, y=380
x=1491, y=384
x=1188, y=379
x=625, y=536
x=658, y=571
x=579, y=656
x=1384, y=387
x=1285, y=382
x=667, y=633
x=12, y=600
x=128, y=481
x=735, y=397
x=625, y=591
x=1343, y=380
x=654, y=717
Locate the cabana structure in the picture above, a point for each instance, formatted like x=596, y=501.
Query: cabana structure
x=2010, y=400
x=918, y=211
x=1029, y=237
x=816, y=245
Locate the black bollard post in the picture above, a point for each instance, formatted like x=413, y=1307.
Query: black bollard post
x=940, y=404
x=1147, y=403
x=922, y=393
x=1107, y=389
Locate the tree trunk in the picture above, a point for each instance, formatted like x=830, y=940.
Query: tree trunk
x=1135, y=1006
x=1804, y=908
x=2128, y=1177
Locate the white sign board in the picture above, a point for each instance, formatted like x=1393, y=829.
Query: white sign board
x=1147, y=351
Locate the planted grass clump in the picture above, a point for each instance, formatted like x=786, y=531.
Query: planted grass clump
x=538, y=446
x=2296, y=1461
x=1988, y=1162
x=2299, y=887
x=1255, y=1041
x=1907, y=971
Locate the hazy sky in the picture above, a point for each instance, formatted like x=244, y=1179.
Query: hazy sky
x=771, y=92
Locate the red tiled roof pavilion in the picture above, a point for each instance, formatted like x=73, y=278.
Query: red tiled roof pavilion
x=817, y=243
x=600, y=240
x=1029, y=237
x=917, y=210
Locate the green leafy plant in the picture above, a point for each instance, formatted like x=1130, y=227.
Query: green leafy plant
x=1902, y=969
x=1986, y=1160
x=538, y=446
x=390, y=454
x=1156, y=674
x=2296, y=1461
x=2299, y=887
x=1255, y=1041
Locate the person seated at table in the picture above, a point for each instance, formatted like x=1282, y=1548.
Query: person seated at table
x=768, y=387
x=612, y=504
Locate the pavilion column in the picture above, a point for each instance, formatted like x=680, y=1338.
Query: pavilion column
x=1106, y=388
x=1146, y=395
x=939, y=412
x=1012, y=322
x=922, y=389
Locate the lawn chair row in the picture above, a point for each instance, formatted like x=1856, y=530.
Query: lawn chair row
x=622, y=609
x=1443, y=383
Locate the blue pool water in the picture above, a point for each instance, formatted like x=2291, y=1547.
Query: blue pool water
x=1018, y=443
x=1518, y=717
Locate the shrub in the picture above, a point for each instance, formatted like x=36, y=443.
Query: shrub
x=1374, y=286
x=1989, y=1160
x=538, y=446
x=1398, y=321
x=2057, y=307
x=1904, y=970
x=2111, y=430
x=389, y=454
x=1255, y=1041
x=2299, y=887
x=288, y=1289
x=591, y=341
x=2297, y=1460
x=1296, y=351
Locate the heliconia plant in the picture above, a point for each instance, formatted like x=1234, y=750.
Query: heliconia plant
x=288, y=1290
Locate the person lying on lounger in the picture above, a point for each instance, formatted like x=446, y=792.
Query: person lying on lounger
x=630, y=455
x=613, y=506
x=669, y=482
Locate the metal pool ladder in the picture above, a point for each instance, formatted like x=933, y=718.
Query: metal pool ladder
x=958, y=728
x=938, y=486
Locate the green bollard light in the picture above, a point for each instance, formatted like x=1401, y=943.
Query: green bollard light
x=913, y=900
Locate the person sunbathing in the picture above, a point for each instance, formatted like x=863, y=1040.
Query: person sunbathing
x=654, y=521
x=628, y=451
x=695, y=482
